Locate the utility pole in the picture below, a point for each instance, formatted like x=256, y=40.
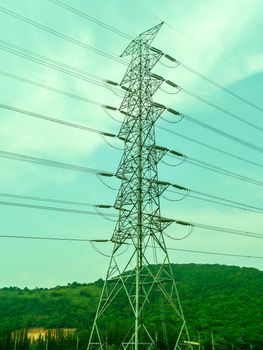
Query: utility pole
x=143, y=272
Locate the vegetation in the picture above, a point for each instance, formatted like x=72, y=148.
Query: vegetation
x=225, y=300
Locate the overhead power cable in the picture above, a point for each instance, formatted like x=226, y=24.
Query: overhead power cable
x=218, y=131
x=117, y=31
x=219, y=200
x=224, y=201
x=179, y=222
x=58, y=121
x=217, y=228
x=105, y=54
x=44, y=207
x=56, y=238
x=215, y=253
x=216, y=199
x=61, y=35
x=224, y=134
x=191, y=160
x=5, y=45
x=51, y=200
x=223, y=171
x=85, y=128
x=202, y=164
x=59, y=66
x=175, y=29
x=215, y=168
x=211, y=104
x=50, y=88
x=91, y=19
x=107, y=240
x=209, y=146
x=209, y=80
x=68, y=94
x=52, y=163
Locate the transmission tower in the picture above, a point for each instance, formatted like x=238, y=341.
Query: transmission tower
x=139, y=271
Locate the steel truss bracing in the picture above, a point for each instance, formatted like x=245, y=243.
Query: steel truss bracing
x=141, y=277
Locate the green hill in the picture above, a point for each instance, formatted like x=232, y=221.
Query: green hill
x=227, y=300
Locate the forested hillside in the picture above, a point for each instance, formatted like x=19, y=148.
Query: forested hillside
x=223, y=299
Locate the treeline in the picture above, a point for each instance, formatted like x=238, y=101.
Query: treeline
x=58, y=340
x=226, y=300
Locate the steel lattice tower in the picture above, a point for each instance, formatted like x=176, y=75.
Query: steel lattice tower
x=143, y=273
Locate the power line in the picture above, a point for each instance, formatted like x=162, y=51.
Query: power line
x=50, y=88
x=179, y=222
x=247, y=206
x=48, y=162
x=102, y=24
x=41, y=116
x=43, y=207
x=117, y=31
x=217, y=228
x=91, y=19
x=68, y=38
x=194, y=40
x=58, y=66
x=228, y=203
x=55, y=238
x=223, y=171
x=211, y=104
x=61, y=35
x=50, y=30
x=58, y=121
x=209, y=146
x=153, y=15
x=193, y=161
x=224, y=134
x=68, y=94
x=225, y=111
x=214, y=168
x=216, y=253
x=106, y=240
x=51, y=0
x=218, y=131
x=206, y=78
x=44, y=199
x=245, y=100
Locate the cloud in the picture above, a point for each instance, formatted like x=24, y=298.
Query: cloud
x=254, y=63
x=215, y=37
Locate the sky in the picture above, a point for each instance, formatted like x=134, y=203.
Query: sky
x=220, y=39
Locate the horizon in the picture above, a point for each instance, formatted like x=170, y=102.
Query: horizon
x=69, y=284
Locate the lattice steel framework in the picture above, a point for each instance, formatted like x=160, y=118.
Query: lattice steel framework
x=143, y=274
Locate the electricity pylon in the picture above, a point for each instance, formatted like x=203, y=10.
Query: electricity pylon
x=142, y=273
